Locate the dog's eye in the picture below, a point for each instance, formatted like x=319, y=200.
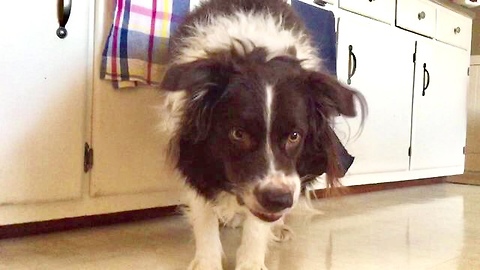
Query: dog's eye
x=293, y=140
x=238, y=135
x=294, y=137
x=240, y=138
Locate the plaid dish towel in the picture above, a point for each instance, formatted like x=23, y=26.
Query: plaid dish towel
x=136, y=50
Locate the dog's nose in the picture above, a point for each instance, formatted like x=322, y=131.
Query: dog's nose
x=275, y=200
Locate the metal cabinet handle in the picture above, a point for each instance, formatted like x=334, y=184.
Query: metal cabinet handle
x=352, y=64
x=421, y=15
x=457, y=30
x=426, y=78
x=64, y=7
x=320, y=3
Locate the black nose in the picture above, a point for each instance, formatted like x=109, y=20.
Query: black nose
x=275, y=200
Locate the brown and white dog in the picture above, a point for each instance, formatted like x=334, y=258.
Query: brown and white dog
x=250, y=109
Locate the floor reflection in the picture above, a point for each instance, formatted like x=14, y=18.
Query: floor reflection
x=429, y=227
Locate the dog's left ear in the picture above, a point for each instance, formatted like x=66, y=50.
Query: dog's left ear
x=324, y=152
x=206, y=81
x=332, y=97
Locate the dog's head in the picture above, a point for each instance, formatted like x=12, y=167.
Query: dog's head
x=254, y=126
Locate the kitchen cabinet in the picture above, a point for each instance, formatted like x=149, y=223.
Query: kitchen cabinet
x=408, y=134
x=439, y=115
x=378, y=10
x=130, y=151
x=418, y=16
x=472, y=151
x=378, y=63
x=43, y=102
x=52, y=102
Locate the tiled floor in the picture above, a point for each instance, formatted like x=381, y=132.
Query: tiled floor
x=429, y=227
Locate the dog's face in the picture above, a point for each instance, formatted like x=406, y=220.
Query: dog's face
x=264, y=123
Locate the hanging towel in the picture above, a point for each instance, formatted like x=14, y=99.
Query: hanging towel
x=136, y=50
x=321, y=24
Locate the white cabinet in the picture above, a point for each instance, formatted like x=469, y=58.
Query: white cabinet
x=382, y=10
x=453, y=28
x=409, y=133
x=378, y=63
x=472, y=155
x=43, y=97
x=417, y=16
x=439, y=115
x=130, y=151
x=52, y=101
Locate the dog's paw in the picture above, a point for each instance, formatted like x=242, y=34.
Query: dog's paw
x=205, y=264
x=250, y=265
x=282, y=233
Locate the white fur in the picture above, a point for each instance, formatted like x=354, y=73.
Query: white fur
x=268, y=121
x=263, y=30
x=171, y=111
x=255, y=238
x=208, y=252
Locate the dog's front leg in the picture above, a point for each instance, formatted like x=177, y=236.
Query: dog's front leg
x=255, y=238
x=208, y=253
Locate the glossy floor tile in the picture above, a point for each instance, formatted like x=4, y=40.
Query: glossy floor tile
x=429, y=227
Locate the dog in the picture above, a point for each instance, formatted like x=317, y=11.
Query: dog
x=250, y=111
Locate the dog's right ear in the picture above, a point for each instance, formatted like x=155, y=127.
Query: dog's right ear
x=194, y=74
x=206, y=81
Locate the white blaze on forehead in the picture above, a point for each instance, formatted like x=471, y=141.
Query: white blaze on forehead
x=275, y=177
x=268, y=119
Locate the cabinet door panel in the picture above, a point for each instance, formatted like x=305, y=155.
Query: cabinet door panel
x=384, y=71
x=42, y=101
x=130, y=150
x=439, y=116
x=472, y=155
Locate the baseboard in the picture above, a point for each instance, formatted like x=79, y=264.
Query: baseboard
x=33, y=228
x=472, y=162
x=351, y=190
x=58, y=225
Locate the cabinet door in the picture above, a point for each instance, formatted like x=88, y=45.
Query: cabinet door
x=130, y=150
x=439, y=115
x=383, y=61
x=43, y=94
x=472, y=152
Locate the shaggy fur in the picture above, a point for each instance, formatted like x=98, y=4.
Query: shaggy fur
x=249, y=111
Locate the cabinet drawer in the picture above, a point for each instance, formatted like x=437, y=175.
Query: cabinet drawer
x=453, y=28
x=382, y=10
x=417, y=16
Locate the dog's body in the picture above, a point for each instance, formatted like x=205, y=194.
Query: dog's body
x=250, y=109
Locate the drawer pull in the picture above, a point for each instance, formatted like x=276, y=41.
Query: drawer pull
x=426, y=78
x=421, y=15
x=456, y=30
x=352, y=64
